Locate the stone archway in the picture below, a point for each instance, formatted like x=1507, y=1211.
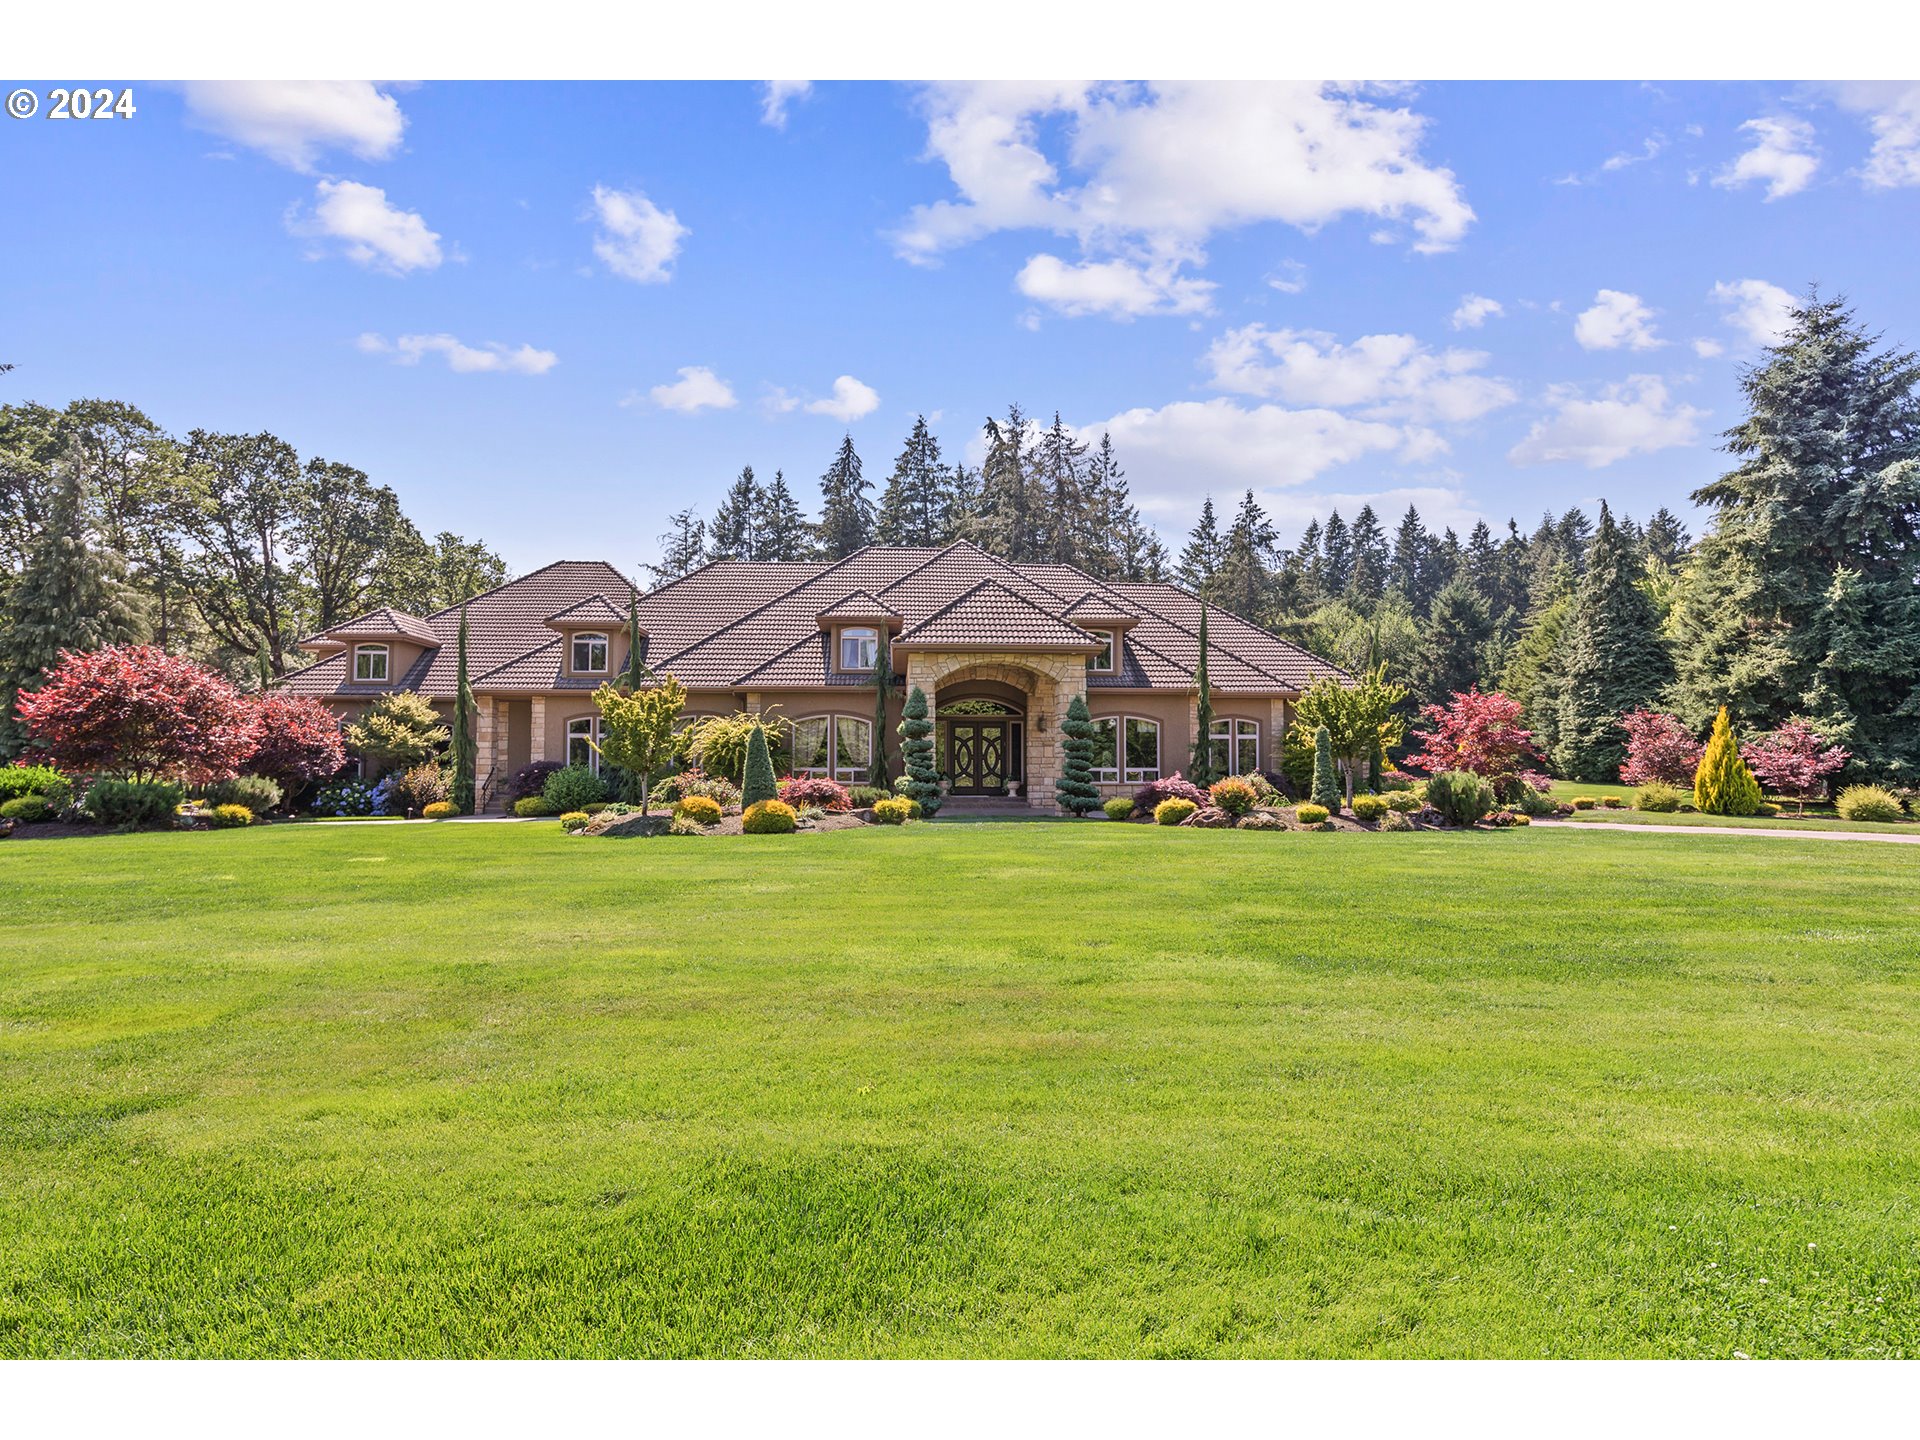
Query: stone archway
x=1049, y=683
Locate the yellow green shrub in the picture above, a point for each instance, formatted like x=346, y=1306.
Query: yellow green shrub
x=700, y=809
x=1369, y=807
x=440, y=810
x=769, y=817
x=574, y=820
x=896, y=811
x=1173, y=811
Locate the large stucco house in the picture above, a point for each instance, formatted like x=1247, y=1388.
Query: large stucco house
x=1000, y=650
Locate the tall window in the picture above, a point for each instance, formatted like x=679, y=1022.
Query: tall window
x=369, y=662
x=589, y=653
x=1143, y=750
x=859, y=647
x=1103, y=662
x=1106, y=753
x=582, y=735
x=837, y=746
x=1234, y=747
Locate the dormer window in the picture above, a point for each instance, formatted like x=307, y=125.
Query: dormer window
x=589, y=653
x=370, y=662
x=859, y=647
x=1103, y=662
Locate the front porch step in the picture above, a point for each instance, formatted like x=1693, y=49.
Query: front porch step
x=984, y=806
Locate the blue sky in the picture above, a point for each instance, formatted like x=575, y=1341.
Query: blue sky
x=550, y=314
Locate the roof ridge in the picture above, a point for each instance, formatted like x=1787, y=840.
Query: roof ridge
x=1194, y=635
x=1014, y=595
x=517, y=579
x=774, y=659
x=523, y=655
x=832, y=566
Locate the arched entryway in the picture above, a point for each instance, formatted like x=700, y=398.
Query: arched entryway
x=980, y=737
x=1034, y=688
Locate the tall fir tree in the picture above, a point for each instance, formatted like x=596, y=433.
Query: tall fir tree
x=683, y=547
x=1200, y=771
x=1243, y=581
x=1452, y=653
x=1201, y=559
x=731, y=533
x=1336, y=556
x=1407, y=572
x=1367, y=578
x=1121, y=543
x=1008, y=516
x=916, y=505
x=781, y=532
x=1059, y=464
x=846, y=514
x=1666, y=541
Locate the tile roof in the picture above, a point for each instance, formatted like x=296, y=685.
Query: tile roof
x=858, y=605
x=1098, y=608
x=991, y=615
x=594, y=610
x=384, y=621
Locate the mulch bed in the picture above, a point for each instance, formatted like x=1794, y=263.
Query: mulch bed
x=626, y=827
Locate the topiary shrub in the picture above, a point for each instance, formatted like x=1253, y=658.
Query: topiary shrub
x=532, y=806
x=1658, y=797
x=131, y=804
x=1723, y=785
x=1370, y=807
x=1148, y=797
x=758, y=784
x=256, y=792
x=1118, y=808
x=528, y=779
x=1174, y=811
x=1312, y=814
x=229, y=817
x=1461, y=797
x=27, y=809
x=1233, y=795
x=574, y=820
x=573, y=787
x=896, y=811
x=1867, y=802
x=701, y=809
x=1396, y=820
x=769, y=817
x=1074, y=791
x=1326, y=782
x=1584, y=802
x=440, y=810
x=802, y=791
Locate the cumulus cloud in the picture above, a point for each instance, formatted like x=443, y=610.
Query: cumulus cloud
x=1383, y=376
x=1892, y=109
x=1758, y=310
x=777, y=95
x=698, y=388
x=1634, y=417
x=1616, y=319
x=294, y=121
x=1474, y=311
x=1117, y=289
x=636, y=239
x=1708, y=349
x=851, y=400
x=461, y=358
x=367, y=228
x=1782, y=157
x=1148, y=173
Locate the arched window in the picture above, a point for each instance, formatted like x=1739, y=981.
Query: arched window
x=369, y=662
x=859, y=647
x=589, y=653
x=583, y=735
x=837, y=746
x=1126, y=748
x=1234, y=747
x=1142, y=750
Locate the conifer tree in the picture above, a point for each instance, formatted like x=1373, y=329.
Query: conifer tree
x=1367, y=578
x=730, y=536
x=758, y=783
x=1058, y=463
x=465, y=750
x=1326, y=779
x=1243, y=580
x=1121, y=544
x=1452, y=652
x=636, y=644
x=1665, y=541
x=1723, y=785
x=1075, y=789
x=916, y=753
x=1201, y=559
x=1407, y=571
x=1008, y=516
x=846, y=514
x=882, y=690
x=1336, y=556
x=682, y=547
x=781, y=532
x=1200, y=772
x=916, y=504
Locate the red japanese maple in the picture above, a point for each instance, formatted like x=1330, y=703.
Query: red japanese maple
x=297, y=741
x=1476, y=732
x=136, y=711
x=1659, y=747
x=1793, y=761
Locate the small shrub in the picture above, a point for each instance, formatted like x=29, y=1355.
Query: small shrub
x=229, y=817
x=27, y=809
x=862, y=797
x=133, y=803
x=1233, y=795
x=1311, y=814
x=573, y=787
x=1148, y=797
x=421, y=786
x=1175, y=810
x=1265, y=792
x=574, y=820
x=1210, y=817
x=802, y=791
x=1535, y=803
x=1867, y=802
x=1501, y=819
x=256, y=792
x=896, y=811
x=1461, y=797
x=529, y=779
x=1658, y=797
x=1396, y=820
x=1613, y=802
x=683, y=826
x=1118, y=808
x=701, y=809
x=769, y=817
x=41, y=780
x=1767, y=808
x=695, y=781
x=1403, y=802
x=440, y=810
x=1370, y=807
x=1584, y=802
x=532, y=806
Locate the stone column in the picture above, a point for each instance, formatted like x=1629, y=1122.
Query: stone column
x=483, y=744
x=539, y=750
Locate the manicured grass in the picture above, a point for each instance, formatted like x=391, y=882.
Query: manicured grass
x=1567, y=789
x=1598, y=816
x=958, y=1090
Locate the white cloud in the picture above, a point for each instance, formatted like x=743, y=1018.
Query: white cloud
x=1708, y=349
x=1893, y=114
x=850, y=401
x=637, y=240
x=370, y=231
x=698, y=388
x=1474, y=311
x=461, y=358
x=1289, y=277
x=1118, y=289
x=1649, y=148
x=1440, y=506
x=1384, y=376
x=1634, y=417
x=1615, y=319
x=776, y=95
x=1148, y=173
x=1758, y=310
x=293, y=121
x=1782, y=156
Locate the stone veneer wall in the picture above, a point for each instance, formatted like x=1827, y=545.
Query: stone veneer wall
x=1050, y=683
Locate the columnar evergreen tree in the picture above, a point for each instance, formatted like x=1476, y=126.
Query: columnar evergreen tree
x=1200, y=561
x=1336, y=556
x=1723, y=785
x=1614, y=659
x=846, y=514
x=636, y=644
x=1200, y=772
x=916, y=506
x=781, y=532
x=464, y=748
x=1452, y=654
x=916, y=753
x=757, y=781
x=731, y=535
x=1075, y=789
x=1326, y=780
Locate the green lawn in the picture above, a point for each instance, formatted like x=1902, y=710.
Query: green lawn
x=1567, y=789
x=968, y=1090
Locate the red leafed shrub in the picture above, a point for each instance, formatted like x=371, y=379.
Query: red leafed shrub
x=1659, y=747
x=296, y=741
x=1148, y=797
x=136, y=711
x=802, y=791
x=1793, y=760
x=1476, y=732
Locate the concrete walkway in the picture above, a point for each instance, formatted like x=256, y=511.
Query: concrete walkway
x=1734, y=830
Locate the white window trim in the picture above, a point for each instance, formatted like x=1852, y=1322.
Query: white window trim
x=587, y=637
x=839, y=648
x=833, y=769
x=595, y=732
x=1110, y=774
x=386, y=663
x=1113, y=654
x=1232, y=739
x=1142, y=774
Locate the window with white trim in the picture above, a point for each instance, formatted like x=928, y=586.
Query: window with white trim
x=1234, y=747
x=583, y=739
x=369, y=662
x=1143, y=749
x=589, y=653
x=1106, y=751
x=1105, y=662
x=839, y=747
x=859, y=647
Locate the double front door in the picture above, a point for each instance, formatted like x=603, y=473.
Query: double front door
x=981, y=762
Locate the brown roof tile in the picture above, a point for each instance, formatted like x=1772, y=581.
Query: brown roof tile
x=991, y=615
